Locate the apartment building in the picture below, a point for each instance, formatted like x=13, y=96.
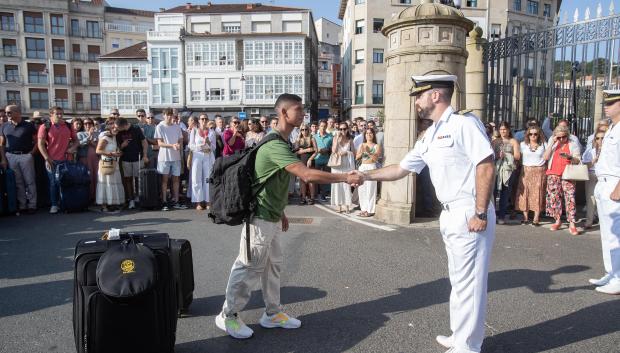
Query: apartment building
x=363, y=44
x=328, y=33
x=231, y=58
x=126, y=27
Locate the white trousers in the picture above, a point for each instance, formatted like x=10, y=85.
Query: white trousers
x=469, y=255
x=609, y=221
x=265, y=265
x=368, y=191
x=201, y=170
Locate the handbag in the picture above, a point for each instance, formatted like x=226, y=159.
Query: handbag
x=576, y=172
x=107, y=167
x=335, y=160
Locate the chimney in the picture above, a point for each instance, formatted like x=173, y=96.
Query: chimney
x=249, y=6
x=188, y=6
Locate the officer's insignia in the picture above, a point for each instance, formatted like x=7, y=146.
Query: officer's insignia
x=128, y=266
x=443, y=137
x=464, y=111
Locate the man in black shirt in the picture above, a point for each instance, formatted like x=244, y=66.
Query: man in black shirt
x=16, y=149
x=133, y=144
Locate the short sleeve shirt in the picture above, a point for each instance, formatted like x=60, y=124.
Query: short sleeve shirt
x=58, y=137
x=237, y=146
x=170, y=134
x=452, y=148
x=18, y=138
x=608, y=163
x=271, y=159
x=323, y=142
x=132, y=152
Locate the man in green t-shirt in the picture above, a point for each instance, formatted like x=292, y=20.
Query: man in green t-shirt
x=274, y=162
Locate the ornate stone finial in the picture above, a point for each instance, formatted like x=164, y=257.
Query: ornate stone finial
x=599, y=10
x=587, y=15
x=565, y=17
x=576, y=16
x=612, y=8
x=476, y=33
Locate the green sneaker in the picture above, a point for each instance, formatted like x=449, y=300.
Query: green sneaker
x=234, y=326
x=280, y=319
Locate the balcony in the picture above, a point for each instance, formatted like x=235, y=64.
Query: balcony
x=60, y=80
x=79, y=107
x=63, y=103
x=92, y=57
x=11, y=79
x=9, y=28
x=154, y=35
x=37, y=79
x=17, y=102
x=10, y=52
x=127, y=28
x=84, y=33
x=84, y=81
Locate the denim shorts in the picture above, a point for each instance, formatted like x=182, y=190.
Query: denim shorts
x=169, y=168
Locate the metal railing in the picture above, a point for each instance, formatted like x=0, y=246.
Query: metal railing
x=10, y=52
x=85, y=81
x=85, y=107
x=17, y=102
x=60, y=80
x=11, y=79
x=129, y=28
x=84, y=33
x=6, y=27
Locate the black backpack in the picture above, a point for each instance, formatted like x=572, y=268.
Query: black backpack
x=230, y=185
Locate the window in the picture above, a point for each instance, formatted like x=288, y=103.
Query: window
x=93, y=53
x=9, y=48
x=61, y=98
x=39, y=99
x=358, y=2
x=7, y=21
x=92, y=29
x=405, y=2
x=60, y=74
x=359, y=92
x=95, y=101
x=472, y=3
x=201, y=27
x=261, y=27
x=516, y=30
x=58, y=49
x=57, y=23
x=359, y=26
x=377, y=56
x=496, y=30
x=377, y=24
x=93, y=77
x=359, y=56
x=270, y=87
x=231, y=27
x=516, y=5
x=79, y=101
x=377, y=92
x=13, y=97
x=547, y=10
x=11, y=73
x=116, y=43
x=291, y=26
x=35, y=48
x=75, y=27
x=258, y=52
x=213, y=54
x=77, y=77
x=33, y=22
x=532, y=7
x=323, y=65
x=75, y=54
x=195, y=89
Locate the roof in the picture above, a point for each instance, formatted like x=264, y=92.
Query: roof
x=134, y=12
x=342, y=8
x=230, y=8
x=134, y=52
x=228, y=35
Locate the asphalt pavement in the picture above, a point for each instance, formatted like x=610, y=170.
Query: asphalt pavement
x=355, y=287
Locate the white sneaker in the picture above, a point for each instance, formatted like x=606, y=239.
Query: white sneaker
x=601, y=281
x=233, y=326
x=132, y=204
x=613, y=288
x=446, y=341
x=54, y=209
x=280, y=319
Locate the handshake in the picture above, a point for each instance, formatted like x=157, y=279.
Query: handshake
x=356, y=178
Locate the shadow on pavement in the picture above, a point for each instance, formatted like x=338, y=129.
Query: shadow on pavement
x=28, y=298
x=211, y=306
x=342, y=328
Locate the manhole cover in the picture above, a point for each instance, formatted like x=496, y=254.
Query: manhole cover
x=300, y=220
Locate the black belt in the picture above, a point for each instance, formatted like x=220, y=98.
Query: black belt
x=17, y=152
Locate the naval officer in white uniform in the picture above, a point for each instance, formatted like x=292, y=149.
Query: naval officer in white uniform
x=607, y=194
x=460, y=160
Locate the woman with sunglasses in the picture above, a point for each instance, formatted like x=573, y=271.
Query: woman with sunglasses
x=88, y=140
x=531, y=188
x=560, y=153
x=590, y=157
x=343, y=146
x=202, y=145
x=305, y=147
x=233, y=138
x=254, y=134
x=110, y=190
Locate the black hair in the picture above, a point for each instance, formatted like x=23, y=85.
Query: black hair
x=287, y=98
x=121, y=122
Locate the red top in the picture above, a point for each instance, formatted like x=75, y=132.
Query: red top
x=559, y=163
x=237, y=146
x=58, y=138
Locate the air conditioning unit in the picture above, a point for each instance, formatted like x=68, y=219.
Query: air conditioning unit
x=255, y=111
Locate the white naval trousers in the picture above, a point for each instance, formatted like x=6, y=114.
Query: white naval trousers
x=201, y=170
x=469, y=255
x=609, y=221
x=265, y=265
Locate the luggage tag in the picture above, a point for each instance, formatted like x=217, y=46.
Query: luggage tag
x=112, y=234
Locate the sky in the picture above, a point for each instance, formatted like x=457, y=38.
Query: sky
x=329, y=8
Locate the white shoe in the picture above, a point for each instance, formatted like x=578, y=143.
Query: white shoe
x=54, y=209
x=280, y=319
x=446, y=341
x=132, y=204
x=613, y=288
x=601, y=281
x=234, y=326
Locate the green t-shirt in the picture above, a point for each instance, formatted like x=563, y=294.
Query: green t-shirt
x=271, y=159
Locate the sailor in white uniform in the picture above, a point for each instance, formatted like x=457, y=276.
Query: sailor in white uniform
x=460, y=160
x=607, y=194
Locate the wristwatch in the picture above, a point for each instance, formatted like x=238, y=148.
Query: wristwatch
x=482, y=216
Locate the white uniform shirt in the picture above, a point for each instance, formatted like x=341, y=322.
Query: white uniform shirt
x=452, y=148
x=609, y=160
x=358, y=141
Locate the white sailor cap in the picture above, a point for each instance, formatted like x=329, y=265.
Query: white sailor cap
x=611, y=95
x=424, y=83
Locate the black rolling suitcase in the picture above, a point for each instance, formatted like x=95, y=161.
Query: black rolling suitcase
x=183, y=268
x=124, y=295
x=74, y=180
x=149, y=188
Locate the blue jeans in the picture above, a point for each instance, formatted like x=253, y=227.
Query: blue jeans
x=504, y=194
x=53, y=183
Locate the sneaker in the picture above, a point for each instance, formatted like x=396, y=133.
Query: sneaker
x=54, y=209
x=280, y=319
x=179, y=206
x=234, y=326
x=600, y=281
x=613, y=288
x=501, y=221
x=165, y=207
x=132, y=204
x=446, y=341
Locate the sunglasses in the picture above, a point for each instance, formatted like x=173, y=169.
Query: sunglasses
x=562, y=137
x=303, y=129
x=263, y=121
x=236, y=122
x=10, y=113
x=533, y=134
x=141, y=116
x=599, y=138
x=345, y=129
x=203, y=119
x=150, y=117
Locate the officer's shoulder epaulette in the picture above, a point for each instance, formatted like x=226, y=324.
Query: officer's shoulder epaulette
x=464, y=111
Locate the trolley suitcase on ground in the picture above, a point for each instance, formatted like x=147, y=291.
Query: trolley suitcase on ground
x=150, y=186
x=145, y=324
x=74, y=181
x=183, y=268
x=8, y=196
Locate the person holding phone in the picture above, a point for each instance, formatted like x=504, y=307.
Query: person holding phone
x=560, y=153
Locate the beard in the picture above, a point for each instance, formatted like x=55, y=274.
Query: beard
x=425, y=113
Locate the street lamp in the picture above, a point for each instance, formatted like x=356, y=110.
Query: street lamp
x=242, y=90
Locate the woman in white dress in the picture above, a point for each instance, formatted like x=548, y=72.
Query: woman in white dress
x=202, y=144
x=110, y=191
x=369, y=153
x=343, y=146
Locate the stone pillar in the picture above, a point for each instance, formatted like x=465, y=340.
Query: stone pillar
x=476, y=84
x=424, y=39
x=598, y=104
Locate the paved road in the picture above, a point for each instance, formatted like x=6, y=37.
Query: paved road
x=356, y=289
